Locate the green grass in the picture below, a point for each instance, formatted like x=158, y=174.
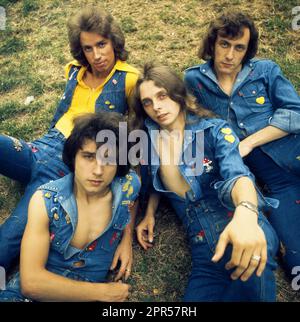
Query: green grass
x=11, y=46
x=29, y=6
x=34, y=50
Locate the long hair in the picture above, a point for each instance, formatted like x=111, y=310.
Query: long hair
x=229, y=25
x=163, y=77
x=96, y=20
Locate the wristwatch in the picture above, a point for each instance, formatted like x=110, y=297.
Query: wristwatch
x=249, y=205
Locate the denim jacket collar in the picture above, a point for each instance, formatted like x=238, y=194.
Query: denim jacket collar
x=208, y=70
x=65, y=196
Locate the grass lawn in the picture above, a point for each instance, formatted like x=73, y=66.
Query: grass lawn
x=34, y=50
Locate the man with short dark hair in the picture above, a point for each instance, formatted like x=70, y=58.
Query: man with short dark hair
x=99, y=79
x=263, y=108
x=75, y=223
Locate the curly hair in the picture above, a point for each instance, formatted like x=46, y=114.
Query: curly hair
x=229, y=25
x=96, y=20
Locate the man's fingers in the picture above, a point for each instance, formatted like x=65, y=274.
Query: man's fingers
x=220, y=249
x=263, y=261
x=249, y=264
x=236, y=256
x=150, y=233
x=114, y=262
x=121, y=271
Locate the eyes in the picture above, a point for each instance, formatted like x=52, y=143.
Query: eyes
x=147, y=102
x=89, y=156
x=225, y=44
x=100, y=45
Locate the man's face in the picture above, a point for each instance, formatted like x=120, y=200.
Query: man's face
x=159, y=106
x=99, y=53
x=91, y=175
x=229, y=53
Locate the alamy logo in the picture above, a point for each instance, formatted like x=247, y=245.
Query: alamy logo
x=296, y=20
x=296, y=280
x=2, y=278
x=2, y=18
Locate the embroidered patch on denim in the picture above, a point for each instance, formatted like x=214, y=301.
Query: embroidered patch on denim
x=207, y=164
x=17, y=144
x=230, y=138
x=260, y=100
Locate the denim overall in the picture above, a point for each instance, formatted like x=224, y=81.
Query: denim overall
x=262, y=96
x=207, y=209
x=93, y=262
x=40, y=161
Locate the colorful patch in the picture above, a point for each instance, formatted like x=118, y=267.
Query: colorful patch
x=107, y=102
x=128, y=177
x=260, y=100
x=47, y=195
x=17, y=144
x=129, y=192
x=126, y=202
x=207, y=164
x=298, y=157
x=230, y=138
x=111, y=107
x=92, y=246
x=113, y=238
x=68, y=219
x=33, y=148
x=297, y=202
x=226, y=130
x=114, y=81
x=200, y=235
x=61, y=173
x=126, y=186
x=230, y=214
x=56, y=216
x=52, y=235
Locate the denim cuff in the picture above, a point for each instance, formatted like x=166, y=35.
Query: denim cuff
x=286, y=120
x=224, y=191
x=224, y=194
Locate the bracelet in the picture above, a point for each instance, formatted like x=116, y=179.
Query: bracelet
x=249, y=205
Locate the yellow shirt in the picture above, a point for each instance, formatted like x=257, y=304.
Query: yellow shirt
x=84, y=97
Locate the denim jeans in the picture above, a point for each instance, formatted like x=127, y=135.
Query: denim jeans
x=285, y=187
x=33, y=164
x=204, y=221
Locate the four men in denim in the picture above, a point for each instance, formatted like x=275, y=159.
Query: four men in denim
x=218, y=208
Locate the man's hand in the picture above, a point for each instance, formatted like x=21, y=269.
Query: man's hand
x=248, y=241
x=144, y=231
x=124, y=255
x=114, y=292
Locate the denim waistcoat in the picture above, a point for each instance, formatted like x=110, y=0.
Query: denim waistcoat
x=95, y=259
x=261, y=96
x=209, y=198
x=111, y=99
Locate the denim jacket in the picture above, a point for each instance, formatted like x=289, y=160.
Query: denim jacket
x=222, y=163
x=261, y=96
x=208, y=201
x=113, y=94
x=93, y=262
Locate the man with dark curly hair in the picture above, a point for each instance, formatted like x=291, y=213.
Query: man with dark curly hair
x=263, y=108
